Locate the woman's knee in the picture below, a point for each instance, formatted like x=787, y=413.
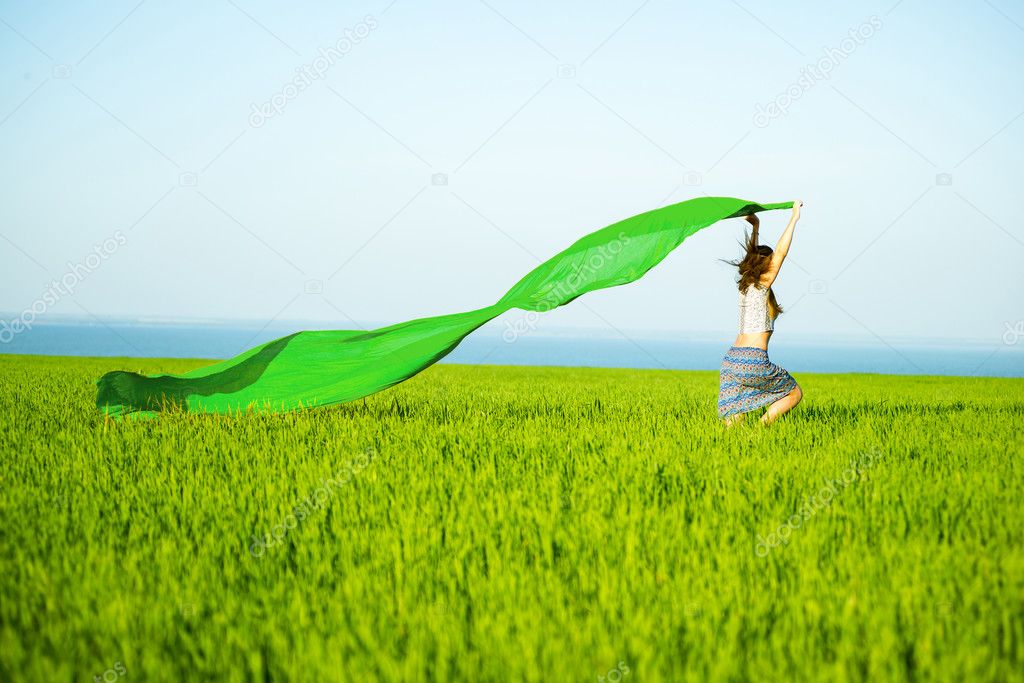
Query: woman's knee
x=797, y=394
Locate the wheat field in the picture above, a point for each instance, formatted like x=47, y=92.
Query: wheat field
x=515, y=524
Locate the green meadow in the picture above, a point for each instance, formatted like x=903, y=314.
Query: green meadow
x=515, y=524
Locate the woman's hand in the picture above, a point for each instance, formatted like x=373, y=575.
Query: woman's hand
x=797, y=205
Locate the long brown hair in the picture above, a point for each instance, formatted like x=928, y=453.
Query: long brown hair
x=755, y=261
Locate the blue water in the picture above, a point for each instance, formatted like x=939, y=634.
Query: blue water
x=486, y=346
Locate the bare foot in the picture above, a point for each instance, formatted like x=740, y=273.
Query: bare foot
x=734, y=420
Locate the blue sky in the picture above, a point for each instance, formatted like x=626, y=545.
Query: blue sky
x=547, y=121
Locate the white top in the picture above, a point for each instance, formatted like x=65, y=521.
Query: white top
x=754, y=316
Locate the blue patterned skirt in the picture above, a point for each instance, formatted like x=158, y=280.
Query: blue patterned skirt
x=749, y=381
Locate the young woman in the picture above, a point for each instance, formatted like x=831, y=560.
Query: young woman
x=748, y=380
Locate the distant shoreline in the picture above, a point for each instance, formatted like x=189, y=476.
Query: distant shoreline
x=536, y=349
x=504, y=366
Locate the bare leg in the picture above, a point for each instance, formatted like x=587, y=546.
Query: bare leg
x=783, y=405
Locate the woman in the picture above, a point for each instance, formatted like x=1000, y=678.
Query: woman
x=748, y=380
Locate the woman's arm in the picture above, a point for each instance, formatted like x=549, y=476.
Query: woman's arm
x=782, y=247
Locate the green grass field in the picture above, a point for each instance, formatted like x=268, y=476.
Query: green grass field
x=505, y=524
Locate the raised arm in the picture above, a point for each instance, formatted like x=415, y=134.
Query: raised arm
x=782, y=247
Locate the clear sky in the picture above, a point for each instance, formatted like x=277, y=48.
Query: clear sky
x=443, y=148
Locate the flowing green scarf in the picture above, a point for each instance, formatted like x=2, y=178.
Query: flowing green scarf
x=322, y=368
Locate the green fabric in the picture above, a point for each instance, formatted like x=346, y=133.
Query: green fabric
x=322, y=368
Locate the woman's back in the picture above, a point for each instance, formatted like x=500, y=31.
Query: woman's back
x=755, y=315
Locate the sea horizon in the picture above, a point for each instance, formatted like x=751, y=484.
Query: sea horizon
x=497, y=344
